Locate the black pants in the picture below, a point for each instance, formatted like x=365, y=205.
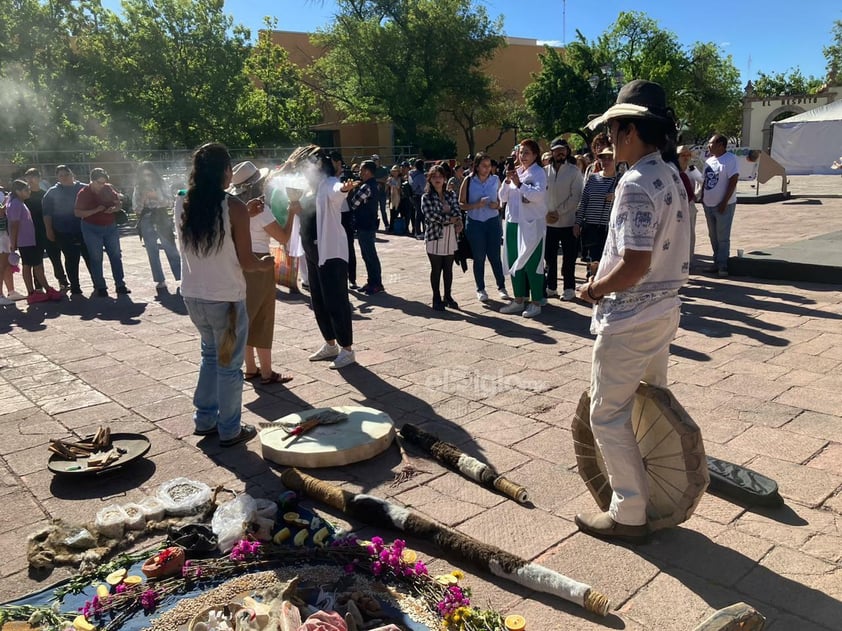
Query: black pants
x=417, y=216
x=348, y=224
x=569, y=249
x=594, y=236
x=441, y=266
x=329, y=297
x=72, y=246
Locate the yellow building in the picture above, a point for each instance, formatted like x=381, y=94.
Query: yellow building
x=512, y=68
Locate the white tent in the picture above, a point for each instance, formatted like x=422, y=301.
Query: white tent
x=807, y=144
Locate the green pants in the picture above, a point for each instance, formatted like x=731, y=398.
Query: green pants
x=526, y=280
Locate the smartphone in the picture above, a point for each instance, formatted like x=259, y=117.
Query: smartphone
x=483, y=200
x=510, y=164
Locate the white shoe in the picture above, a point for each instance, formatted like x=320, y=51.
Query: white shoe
x=344, y=358
x=532, y=310
x=552, y=293
x=482, y=296
x=16, y=295
x=325, y=352
x=6, y=301
x=504, y=295
x=569, y=294
x=512, y=307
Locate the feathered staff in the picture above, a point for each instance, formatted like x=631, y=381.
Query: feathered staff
x=379, y=512
x=468, y=466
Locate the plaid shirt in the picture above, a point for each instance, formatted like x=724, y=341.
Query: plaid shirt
x=434, y=215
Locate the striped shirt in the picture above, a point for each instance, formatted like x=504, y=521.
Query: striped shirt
x=597, y=197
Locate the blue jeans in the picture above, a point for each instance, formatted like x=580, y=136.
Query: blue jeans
x=485, y=239
x=151, y=236
x=97, y=238
x=369, y=254
x=218, y=398
x=719, y=231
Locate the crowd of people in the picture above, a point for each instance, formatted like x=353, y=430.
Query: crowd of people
x=629, y=214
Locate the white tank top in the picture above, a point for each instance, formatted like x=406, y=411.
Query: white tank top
x=216, y=276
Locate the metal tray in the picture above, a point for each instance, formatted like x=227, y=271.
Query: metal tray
x=136, y=446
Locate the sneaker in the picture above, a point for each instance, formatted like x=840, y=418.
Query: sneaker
x=15, y=295
x=569, y=294
x=102, y=293
x=722, y=273
x=36, y=296
x=55, y=295
x=532, y=310
x=364, y=289
x=344, y=358
x=325, y=352
x=482, y=296
x=247, y=432
x=601, y=525
x=512, y=307
x=122, y=289
x=552, y=293
x=161, y=285
x=504, y=295
x=5, y=302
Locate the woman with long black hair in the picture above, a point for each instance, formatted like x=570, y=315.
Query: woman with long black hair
x=213, y=231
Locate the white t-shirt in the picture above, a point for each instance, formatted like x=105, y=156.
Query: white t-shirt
x=259, y=236
x=650, y=213
x=717, y=173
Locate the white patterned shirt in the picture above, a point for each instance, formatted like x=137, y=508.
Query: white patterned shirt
x=650, y=213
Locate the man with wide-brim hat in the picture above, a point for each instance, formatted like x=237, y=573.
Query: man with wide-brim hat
x=244, y=176
x=635, y=297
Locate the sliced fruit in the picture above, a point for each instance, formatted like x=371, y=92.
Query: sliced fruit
x=447, y=579
x=134, y=579
x=80, y=623
x=515, y=623
x=291, y=517
x=102, y=591
x=282, y=535
x=320, y=536
x=409, y=556
x=301, y=537
x=116, y=577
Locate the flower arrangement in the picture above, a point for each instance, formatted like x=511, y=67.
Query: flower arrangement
x=392, y=563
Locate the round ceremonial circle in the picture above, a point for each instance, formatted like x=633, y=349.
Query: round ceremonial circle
x=364, y=434
x=673, y=454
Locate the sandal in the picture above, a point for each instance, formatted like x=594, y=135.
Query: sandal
x=275, y=377
x=250, y=376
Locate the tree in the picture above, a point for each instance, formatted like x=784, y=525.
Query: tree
x=394, y=60
x=279, y=108
x=559, y=97
x=169, y=72
x=786, y=83
x=833, y=54
x=711, y=98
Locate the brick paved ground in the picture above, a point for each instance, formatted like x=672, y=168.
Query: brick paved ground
x=756, y=364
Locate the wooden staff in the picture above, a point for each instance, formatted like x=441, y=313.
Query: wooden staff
x=379, y=512
x=470, y=467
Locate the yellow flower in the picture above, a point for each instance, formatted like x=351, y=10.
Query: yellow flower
x=458, y=574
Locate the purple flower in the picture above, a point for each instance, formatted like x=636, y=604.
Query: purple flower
x=420, y=568
x=149, y=600
x=378, y=541
x=121, y=587
x=377, y=568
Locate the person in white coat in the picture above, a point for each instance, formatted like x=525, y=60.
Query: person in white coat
x=524, y=191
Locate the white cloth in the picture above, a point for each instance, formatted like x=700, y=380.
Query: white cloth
x=330, y=235
x=620, y=362
x=214, y=276
x=447, y=245
x=717, y=173
x=650, y=213
x=257, y=228
x=564, y=190
x=527, y=207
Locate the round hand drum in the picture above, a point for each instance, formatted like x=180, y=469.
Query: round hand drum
x=673, y=454
x=366, y=433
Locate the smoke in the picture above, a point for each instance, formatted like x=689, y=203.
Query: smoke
x=22, y=110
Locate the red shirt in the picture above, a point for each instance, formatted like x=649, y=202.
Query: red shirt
x=87, y=199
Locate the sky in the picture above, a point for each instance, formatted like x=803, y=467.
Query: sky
x=761, y=35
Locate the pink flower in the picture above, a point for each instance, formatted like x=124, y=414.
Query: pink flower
x=149, y=600
x=377, y=568
x=378, y=541
x=420, y=568
x=121, y=588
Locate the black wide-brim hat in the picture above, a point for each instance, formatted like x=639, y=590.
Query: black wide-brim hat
x=637, y=99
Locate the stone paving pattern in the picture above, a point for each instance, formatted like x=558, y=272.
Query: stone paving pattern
x=756, y=364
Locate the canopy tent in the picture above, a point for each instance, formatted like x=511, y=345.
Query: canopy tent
x=807, y=144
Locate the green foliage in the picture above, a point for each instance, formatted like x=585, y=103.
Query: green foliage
x=786, y=83
x=833, y=54
x=702, y=86
x=400, y=60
